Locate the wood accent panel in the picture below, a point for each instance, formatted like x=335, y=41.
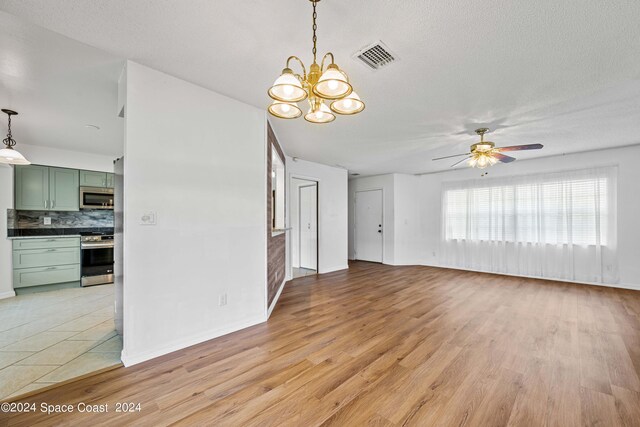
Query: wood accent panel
x=393, y=346
x=276, y=245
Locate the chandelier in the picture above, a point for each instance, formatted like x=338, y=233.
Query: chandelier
x=10, y=155
x=319, y=87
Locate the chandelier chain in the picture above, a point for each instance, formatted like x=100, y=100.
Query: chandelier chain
x=9, y=141
x=315, y=27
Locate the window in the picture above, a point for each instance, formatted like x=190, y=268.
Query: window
x=557, y=226
x=553, y=209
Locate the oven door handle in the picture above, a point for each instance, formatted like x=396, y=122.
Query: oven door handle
x=96, y=246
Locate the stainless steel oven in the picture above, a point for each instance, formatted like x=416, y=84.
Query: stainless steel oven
x=97, y=259
x=96, y=198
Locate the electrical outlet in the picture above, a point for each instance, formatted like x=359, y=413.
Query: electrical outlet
x=47, y=220
x=222, y=300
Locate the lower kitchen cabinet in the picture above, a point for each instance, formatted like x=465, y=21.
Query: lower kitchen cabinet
x=45, y=261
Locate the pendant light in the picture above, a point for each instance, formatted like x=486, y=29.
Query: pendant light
x=8, y=154
x=316, y=84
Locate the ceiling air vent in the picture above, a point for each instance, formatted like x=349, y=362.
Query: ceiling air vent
x=376, y=56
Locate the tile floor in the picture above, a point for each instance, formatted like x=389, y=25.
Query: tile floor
x=302, y=272
x=54, y=336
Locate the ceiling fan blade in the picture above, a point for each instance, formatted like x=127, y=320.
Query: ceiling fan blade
x=521, y=147
x=457, y=163
x=503, y=158
x=448, y=157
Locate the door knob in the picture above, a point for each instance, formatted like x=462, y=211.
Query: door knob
x=379, y=231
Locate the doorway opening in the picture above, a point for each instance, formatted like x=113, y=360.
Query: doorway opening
x=369, y=236
x=304, y=227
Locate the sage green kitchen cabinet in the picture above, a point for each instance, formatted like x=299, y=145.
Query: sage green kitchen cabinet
x=32, y=188
x=64, y=189
x=110, y=180
x=43, y=188
x=93, y=179
x=45, y=261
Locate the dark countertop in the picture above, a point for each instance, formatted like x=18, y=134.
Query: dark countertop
x=46, y=232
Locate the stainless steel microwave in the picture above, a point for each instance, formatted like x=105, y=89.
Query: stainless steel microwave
x=96, y=198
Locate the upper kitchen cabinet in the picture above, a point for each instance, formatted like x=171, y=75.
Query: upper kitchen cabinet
x=64, y=189
x=93, y=179
x=32, y=188
x=96, y=179
x=41, y=188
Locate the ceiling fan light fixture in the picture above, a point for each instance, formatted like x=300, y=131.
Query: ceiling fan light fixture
x=285, y=110
x=350, y=104
x=287, y=88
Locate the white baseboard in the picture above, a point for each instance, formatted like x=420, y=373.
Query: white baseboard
x=607, y=285
x=7, y=294
x=332, y=269
x=133, y=359
x=275, y=300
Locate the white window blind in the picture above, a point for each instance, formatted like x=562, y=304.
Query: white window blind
x=535, y=215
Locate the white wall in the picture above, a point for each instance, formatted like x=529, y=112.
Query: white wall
x=198, y=160
x=627, y=160
x=408, y=248
x=42, y=156
x=386, y=184
x=332, y=213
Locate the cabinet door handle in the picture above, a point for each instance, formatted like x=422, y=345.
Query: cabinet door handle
x=46, y=204
x=51, y=268
x=53, y=204
x=51, y=250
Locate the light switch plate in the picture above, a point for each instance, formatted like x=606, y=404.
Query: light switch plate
x=148, y=218
x=47, y=220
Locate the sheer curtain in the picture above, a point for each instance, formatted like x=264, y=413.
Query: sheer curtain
x=557, y=226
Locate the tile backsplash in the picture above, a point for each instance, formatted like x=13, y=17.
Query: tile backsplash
x=86, y=218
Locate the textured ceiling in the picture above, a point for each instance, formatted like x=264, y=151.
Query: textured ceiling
x=562, y=73
x=58, y=86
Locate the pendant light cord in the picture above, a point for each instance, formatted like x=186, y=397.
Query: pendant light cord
x=315, y=27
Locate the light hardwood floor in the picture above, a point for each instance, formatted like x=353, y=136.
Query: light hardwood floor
x=385, y=346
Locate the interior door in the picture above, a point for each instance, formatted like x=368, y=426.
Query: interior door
x=308, y=209
x=369, y=225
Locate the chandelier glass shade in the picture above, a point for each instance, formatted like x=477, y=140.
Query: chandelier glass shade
x=8, y=154
x=285, y=110
x=319, y=113
x=317, y=85
x=350, y=104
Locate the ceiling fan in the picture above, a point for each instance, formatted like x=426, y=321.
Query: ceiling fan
x=485, y=153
